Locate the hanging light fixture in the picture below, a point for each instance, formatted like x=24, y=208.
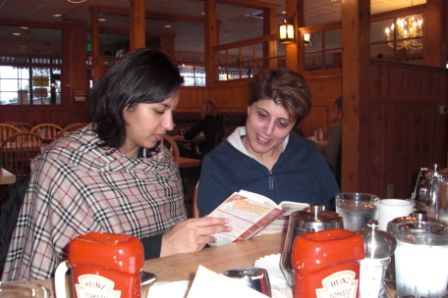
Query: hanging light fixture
x=406, y=32
x=76, y=1
x=307, y=39
x=286, y=32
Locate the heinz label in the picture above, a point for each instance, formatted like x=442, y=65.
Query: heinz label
x=95, y=286
x=341, y=284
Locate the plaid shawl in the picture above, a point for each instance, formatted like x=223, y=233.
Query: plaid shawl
x=77, y=187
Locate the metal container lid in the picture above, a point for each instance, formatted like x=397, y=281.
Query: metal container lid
x=316, y=218
x=377, y=244
x=417, y=228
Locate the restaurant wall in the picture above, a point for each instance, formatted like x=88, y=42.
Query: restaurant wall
x=233, y=97
x=73, y=107
x=405, y=129
x=228, y=96
x=325, y=87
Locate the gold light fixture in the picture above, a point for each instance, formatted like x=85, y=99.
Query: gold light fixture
x=406, y=32
x=307, y=39
x=76, y=1
x=286, y=32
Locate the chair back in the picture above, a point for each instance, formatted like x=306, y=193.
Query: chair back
x=24, y=126
x=7, y=130
x=17, y=151
x=47, y=131
x=170, y=143
x=72, y=127
x=194, y=207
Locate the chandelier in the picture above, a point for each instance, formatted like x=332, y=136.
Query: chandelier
x=406, y=32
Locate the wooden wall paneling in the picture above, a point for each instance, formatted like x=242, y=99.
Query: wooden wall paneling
x=393, y=82
x=291, y=50
x=434, y=33
x=401, y=145
x=211, y=40
x=317, y=119
x=137, y=25
x=408, y=132
x=357, y=118
x=270, y=28
x=231, y=97
x=377, y=148
x=325, y=88
x=167, y=45
x=75, y=74
x=191, y=99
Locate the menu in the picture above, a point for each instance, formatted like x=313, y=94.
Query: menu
x=250, y=213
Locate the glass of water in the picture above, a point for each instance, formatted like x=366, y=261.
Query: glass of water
x=23, y=289
x=357, y=209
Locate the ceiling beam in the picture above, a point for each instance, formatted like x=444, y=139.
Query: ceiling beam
x=11, y=22
x=249, y=3
x=153, y=15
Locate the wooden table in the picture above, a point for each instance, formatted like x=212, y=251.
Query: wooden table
x=7, y=177
x=235, y=255
x=186, y=162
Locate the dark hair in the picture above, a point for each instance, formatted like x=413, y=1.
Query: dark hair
x=209, y=109
x=285, y=87
x=141, y=76
x=338, y=103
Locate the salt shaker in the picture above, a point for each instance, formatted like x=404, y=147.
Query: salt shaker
x=378, y=249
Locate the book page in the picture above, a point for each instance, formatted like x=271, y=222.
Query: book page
x=247, y=213
x=280, y=224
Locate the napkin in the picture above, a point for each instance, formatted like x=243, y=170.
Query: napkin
x=279, y=286
x=211, y=284
x=173, y=289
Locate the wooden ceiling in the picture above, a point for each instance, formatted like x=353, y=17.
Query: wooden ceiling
x=236, y=22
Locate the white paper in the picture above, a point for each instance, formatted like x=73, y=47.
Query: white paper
x=173, y=289
x=208, y=284
x=279, y=286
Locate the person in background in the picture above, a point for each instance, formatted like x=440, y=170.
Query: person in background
x=332, y=151
x=267, y=156
x=211, y=126
x=111, y=176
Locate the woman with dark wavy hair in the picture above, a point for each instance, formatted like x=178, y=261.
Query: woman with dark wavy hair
x=111, y=176
x=266, y=156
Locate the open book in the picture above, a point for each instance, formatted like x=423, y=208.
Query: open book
x=250, y=213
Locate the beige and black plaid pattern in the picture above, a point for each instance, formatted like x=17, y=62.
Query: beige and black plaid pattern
x=77, y=187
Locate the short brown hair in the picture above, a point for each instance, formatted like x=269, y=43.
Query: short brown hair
x=285, y=87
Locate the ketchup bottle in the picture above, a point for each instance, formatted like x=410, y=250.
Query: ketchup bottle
x=326, y=264
x=102, y=265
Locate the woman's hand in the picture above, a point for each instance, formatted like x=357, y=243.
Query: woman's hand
x=192, y=235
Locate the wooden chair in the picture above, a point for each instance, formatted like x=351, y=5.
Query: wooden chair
x=194, y=202
x=17, y=151
x=169, y=142
x=24, y=126
x=47, y=131
x=7, y=130
x=72, y=127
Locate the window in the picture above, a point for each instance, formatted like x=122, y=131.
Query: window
x=194, y=75
x=399, y=38
x=30, y=80
x=324, y=50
